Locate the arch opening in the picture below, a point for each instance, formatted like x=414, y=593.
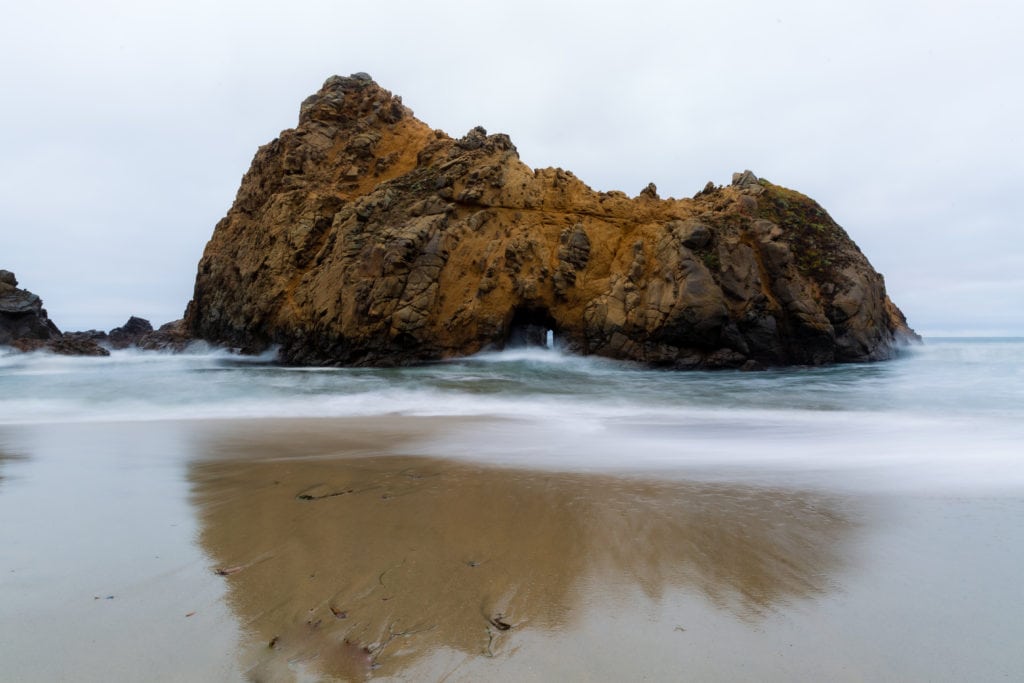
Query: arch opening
x=531, y=328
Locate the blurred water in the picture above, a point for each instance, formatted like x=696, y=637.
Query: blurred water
x=955, y=404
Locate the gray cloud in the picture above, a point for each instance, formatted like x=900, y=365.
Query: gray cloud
x=127, y=129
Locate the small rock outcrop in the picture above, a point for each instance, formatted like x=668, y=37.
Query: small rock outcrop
x=65, y=345
x=138, y=333
x=130, y=333
x=25, y=326
x=364, y=237
x=170, y=336
x=22, y=315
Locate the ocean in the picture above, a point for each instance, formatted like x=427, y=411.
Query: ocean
x=950, y=411
x=846, y=523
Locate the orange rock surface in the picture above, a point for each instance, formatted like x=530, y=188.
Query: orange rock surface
x=364, y=237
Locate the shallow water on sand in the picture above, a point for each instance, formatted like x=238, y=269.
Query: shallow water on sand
x=519, y=517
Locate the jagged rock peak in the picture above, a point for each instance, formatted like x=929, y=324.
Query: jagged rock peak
x=364, y=236
x=340, y=95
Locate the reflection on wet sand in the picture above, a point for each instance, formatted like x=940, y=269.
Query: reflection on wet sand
x=344, y=564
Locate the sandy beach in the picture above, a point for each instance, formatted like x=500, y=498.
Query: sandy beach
x=338, y=550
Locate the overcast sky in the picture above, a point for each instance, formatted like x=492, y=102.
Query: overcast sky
x=126, y=126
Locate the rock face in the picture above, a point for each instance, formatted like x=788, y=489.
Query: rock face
x=364, y=237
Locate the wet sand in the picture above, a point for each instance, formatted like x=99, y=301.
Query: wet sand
x=339, y=550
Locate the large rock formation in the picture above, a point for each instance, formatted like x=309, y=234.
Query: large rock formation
x=365, y=237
